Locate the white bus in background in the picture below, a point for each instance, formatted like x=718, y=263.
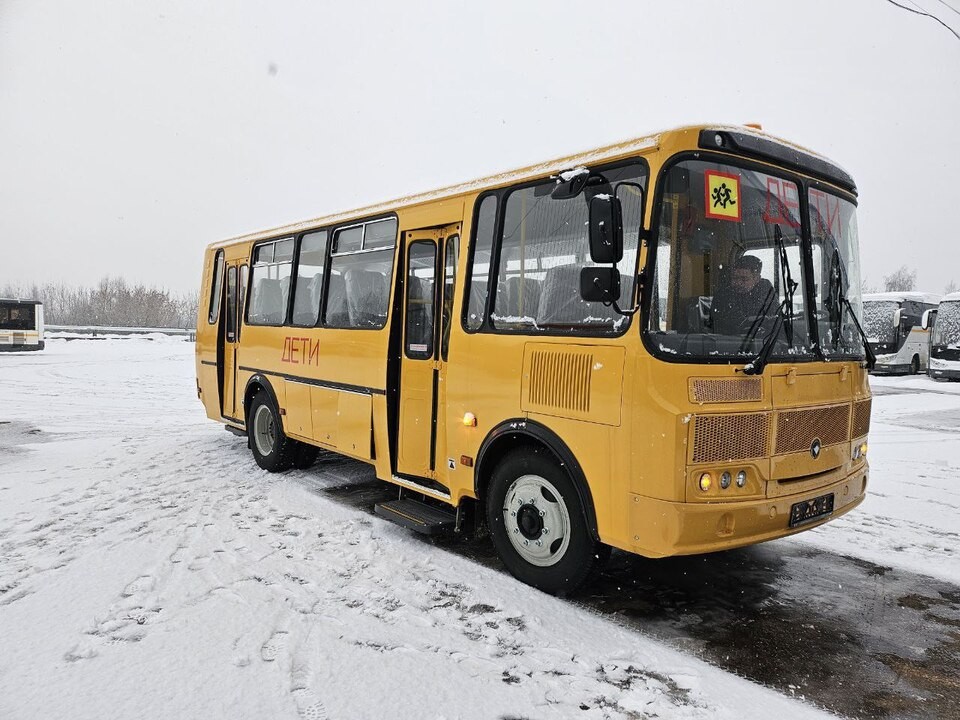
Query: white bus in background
x=945, y=340
x=894, y=325
x=21, y=324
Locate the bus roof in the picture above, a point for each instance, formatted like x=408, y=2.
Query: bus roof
x=928, y=298
x=590, y=157
x=950, y=297
x=20, y=301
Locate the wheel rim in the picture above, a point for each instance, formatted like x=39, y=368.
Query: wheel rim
x=536, y=520
x=264, y=430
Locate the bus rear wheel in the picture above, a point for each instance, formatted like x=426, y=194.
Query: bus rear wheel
x=272, y=449
x=538, y=523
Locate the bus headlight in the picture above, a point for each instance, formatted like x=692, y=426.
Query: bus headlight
x=725, y=480
x=706, y=480
x=741, y=478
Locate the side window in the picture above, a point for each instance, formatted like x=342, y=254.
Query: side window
x=451, y=254
x=306, y=298
x=480, y=254
x=361, y=265
x=216, y=289
x=421, y=273
x=270, y=285
x=544, y=246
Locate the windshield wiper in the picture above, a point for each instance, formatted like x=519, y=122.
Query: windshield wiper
x=843, y=304
x=783, y=319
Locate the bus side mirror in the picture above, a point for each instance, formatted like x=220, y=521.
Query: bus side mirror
x=897, y=317
x=606, y=229
x=925, y=320
x=600, y=284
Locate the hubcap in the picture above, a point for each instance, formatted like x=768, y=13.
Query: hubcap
x=264, y=434
x=536, y=520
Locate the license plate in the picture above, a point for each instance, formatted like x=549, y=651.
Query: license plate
x=804, y=512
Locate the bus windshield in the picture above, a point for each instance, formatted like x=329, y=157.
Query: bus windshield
x=17, y=316
x=836, y=253
x=946, y=330
x=878, y=320
x=728, y=272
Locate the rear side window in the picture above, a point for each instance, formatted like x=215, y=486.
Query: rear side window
x=216, y=288
x=270, y=284
x=361, y=266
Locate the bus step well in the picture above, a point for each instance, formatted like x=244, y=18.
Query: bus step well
x=423, y=518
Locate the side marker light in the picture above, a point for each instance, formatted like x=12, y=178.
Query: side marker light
x=470, y=420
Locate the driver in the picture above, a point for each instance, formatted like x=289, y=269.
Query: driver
x=748, y=296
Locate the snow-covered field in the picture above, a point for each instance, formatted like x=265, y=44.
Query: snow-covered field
x=148, y=569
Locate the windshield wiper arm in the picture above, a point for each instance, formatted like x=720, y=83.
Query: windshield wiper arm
x=783, y=319
x=845, y=306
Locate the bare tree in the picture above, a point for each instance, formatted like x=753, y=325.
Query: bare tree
x=112, y=302
x=950, y=288
x=900, y=280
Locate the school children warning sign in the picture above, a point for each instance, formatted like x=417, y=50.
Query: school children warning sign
x=723, y=195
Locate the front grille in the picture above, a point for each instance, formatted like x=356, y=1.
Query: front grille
x=861, y=418
x=718, y=438
x=797, y=429
x=561, y=380
x=718, y=390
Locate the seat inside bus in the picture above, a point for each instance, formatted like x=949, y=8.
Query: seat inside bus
x=267, y=304
x=367, y=292
x=307, y=299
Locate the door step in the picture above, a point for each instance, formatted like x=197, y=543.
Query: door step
x=423, y=518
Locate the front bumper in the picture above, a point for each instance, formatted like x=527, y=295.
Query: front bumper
x=943, y=374
x=884, y=369
x=662, y=528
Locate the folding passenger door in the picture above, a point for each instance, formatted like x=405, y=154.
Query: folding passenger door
x=421, y=432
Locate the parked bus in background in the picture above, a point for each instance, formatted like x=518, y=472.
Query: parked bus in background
x=894, y=325
x=21, y=325
x=653, y=346
x=945, y=340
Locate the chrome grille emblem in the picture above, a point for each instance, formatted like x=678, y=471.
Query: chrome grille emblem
x=815, y=448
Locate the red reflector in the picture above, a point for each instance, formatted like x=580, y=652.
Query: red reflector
x=466, y=461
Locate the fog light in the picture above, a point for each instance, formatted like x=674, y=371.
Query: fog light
x=741, y=478
x=725, y=480
x=705, y=482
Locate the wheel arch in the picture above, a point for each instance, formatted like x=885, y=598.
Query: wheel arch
x=520, y=432
x=255, y=384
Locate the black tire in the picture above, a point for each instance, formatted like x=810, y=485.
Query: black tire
x=271, y=448
x=915, y=365
x=523, y=479
x=305, y=455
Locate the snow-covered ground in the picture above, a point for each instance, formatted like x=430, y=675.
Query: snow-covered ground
x=148, y=569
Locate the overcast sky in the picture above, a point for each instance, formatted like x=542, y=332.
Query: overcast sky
x=132, y=134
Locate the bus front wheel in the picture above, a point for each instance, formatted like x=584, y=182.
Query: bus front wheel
x=272, y=449
x=538, y=524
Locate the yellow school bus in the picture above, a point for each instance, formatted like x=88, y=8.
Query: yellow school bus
x=653, y=346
